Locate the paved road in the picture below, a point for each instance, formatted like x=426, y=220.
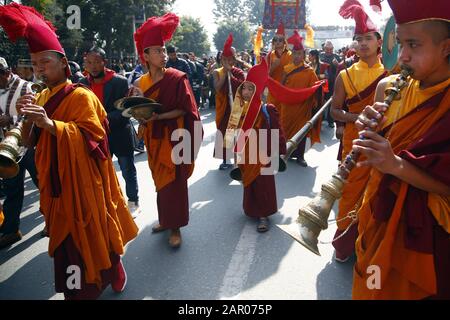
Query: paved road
x=222, y=256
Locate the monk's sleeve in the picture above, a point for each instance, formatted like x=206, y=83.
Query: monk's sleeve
x=432, y=154
x=82, y=120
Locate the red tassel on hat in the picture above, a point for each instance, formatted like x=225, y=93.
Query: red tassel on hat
x=155, y=31
x=354, y=9
x=20, y=21
x=296, y=40
x=227, y=51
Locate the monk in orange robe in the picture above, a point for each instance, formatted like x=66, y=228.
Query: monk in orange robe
x=277, y=59
x=260, y=196
x=171, y=88
x=355, y=89
x=87, y=218
x=223, y=75
x=404, y=221
x=299, y=75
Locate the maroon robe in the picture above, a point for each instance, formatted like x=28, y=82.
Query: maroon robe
x=175, y=92
x=260, y=196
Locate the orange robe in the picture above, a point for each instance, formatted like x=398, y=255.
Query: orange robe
x=386, y=219
x=277, y=75
x=170, y=179
x=90, y=208
x=360, y=84
x=294, y=117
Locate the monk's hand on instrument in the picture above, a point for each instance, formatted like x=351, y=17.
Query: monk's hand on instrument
x=24, y=101
x=37, y=115
x=371, y=117
x=378, y=152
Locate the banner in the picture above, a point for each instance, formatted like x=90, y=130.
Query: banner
x=290, y=12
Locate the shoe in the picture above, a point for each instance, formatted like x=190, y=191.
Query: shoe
x=133, y=206
x=175, y=238
x=225, y=166
x=8, y=239
x=119, y=280
x=158, y=228
x=302, y=162
x=263, y=225
x=339, y=257
x=44, y=232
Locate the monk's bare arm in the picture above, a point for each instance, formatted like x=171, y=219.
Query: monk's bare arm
x=419, y=178
x=339, y=96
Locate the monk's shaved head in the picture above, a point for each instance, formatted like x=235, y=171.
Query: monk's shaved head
x=438, y=29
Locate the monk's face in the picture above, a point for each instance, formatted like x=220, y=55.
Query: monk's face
x=427, y=58
x=367, y=45
x=49, y=67
x=298, y=56
x=156, y=56
x=95, y=64
x=248, y=89
x=4, y=78
x=278, y=42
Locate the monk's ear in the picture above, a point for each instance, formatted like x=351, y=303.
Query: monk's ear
x=445, y=45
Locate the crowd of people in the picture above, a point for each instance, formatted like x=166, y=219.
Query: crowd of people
x=395, y=207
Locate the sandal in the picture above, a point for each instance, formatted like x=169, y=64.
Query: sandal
x=158, y=228
x=263, y=225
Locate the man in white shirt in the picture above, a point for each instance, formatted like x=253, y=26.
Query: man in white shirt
x=11, y=88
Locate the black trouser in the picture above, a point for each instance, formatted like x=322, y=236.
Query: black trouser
x=14, y=190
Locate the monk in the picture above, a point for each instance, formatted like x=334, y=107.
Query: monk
x=354, y=90
x=298, y=75
x=277, y=59
x=170, y=88
x=88, y=221
x=403, y=244
x=228, y=72
x=260, y=197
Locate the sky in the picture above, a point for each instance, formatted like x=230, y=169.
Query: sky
x=203, y=9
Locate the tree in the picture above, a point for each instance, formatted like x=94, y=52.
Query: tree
x=191, y=36
x=241, y=35
x=230, y=10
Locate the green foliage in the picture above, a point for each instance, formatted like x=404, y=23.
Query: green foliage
x=241, y=35
x=191, y=36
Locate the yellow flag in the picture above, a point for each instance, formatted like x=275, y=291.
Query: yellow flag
x=258, y=44
x=309, y=42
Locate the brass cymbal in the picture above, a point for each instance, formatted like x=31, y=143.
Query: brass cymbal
x=128, y=102
x=144, y=110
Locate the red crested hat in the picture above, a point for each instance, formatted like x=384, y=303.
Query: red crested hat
x=408, y=11
x=155, y=32
x=20, y=21
x=280, y=30
x=354, y=9
x=227, y=49
x=296, y=40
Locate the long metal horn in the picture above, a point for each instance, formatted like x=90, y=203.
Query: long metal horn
x=313, y=218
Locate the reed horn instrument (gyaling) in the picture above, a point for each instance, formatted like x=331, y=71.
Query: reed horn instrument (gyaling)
x=11, y=148
x=313, y=218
